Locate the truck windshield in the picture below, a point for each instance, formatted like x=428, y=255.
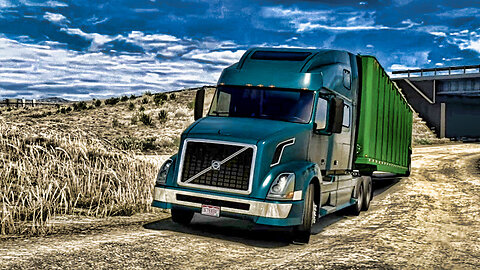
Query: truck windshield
x=266, y=103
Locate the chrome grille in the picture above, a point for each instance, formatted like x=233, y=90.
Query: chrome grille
x=217, y=165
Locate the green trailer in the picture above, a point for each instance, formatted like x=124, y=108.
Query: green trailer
x=385, y=122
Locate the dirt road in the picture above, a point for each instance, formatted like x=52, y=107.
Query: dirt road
x=429, y=220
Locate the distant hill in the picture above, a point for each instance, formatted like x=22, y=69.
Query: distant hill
x=54, y=100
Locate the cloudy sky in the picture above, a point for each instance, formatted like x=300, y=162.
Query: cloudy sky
x=85, y=49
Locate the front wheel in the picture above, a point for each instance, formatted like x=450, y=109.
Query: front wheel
x=181, y=216
x=301, y=233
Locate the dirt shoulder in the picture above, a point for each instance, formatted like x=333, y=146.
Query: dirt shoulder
x=429, y=220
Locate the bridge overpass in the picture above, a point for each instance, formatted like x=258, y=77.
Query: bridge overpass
x=447, y=98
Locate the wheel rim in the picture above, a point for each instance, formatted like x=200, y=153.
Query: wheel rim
x=314, y=212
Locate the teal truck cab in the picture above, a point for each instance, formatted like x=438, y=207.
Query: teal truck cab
x=291, y=135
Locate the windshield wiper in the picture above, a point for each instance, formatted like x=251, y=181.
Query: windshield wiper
x=217, y=113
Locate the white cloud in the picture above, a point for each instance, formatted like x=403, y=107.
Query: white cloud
x=220, y=56
x=55, y=18
x=459, y=13
x=331, y=20
x=35, y=71
x=438, y=34
x=465, y=40
x=97, y=40
x=395, y=67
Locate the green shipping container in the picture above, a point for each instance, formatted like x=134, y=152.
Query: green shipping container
x=385, y=122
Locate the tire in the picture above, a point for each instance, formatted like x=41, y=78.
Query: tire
x=407, y=174
x=301, y=233
x=357, y=207
x=180, y=216
x=367, y=196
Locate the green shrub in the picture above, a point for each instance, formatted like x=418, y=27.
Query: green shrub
x=98, y=103
x=79, y=106
x=63, y=110
x=69, y=109
x=162, y=116
x=141, y=108
x=131, y=106
x=112, y=101
x=147, y=93
x=145, y=100
x=160, y=98
x=145, y=119
x=123, y=98
x=173, y=96
x=133, y=143
x=132, y=96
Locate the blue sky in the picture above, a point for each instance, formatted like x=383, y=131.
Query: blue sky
x=86, y=49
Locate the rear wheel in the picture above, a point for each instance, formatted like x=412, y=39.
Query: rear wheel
x=301, y=233
x=407, y=174
x=367, y=197
x=357, y=207
x=182, y=216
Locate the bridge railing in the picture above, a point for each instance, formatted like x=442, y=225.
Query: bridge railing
x=437, y=71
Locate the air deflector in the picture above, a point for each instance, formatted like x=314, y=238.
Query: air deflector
x=280, y=56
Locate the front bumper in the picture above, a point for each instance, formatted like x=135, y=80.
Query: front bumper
x=264, y=212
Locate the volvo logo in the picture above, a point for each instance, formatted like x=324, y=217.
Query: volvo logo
x=216, y=165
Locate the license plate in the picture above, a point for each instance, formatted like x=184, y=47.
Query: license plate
x=210, y=210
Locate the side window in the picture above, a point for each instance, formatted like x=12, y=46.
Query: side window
x=346, y=116
x=347, y=79
x=221, y=104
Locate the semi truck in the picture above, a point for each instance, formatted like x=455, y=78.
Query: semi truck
x=291, y=135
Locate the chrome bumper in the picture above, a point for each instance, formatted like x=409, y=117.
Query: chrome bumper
x=261, y=209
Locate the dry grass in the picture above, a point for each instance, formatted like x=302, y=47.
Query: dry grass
x=46, y=173
x=84, y=161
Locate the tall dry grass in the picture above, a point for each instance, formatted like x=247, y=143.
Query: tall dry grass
x=47, y=173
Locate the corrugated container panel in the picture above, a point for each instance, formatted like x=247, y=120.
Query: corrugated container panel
x=385, y=122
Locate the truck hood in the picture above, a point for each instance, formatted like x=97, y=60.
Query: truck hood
x=251, y=129
x=267, y=135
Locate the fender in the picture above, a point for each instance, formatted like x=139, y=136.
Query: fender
x=304, y=172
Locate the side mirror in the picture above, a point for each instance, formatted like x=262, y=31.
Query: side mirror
x=199, y=99
x=336, y=115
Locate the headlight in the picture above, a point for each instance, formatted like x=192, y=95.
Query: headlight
x=162, y=174
x=282, y=187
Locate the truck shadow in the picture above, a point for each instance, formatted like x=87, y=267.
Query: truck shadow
x=248, y=233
